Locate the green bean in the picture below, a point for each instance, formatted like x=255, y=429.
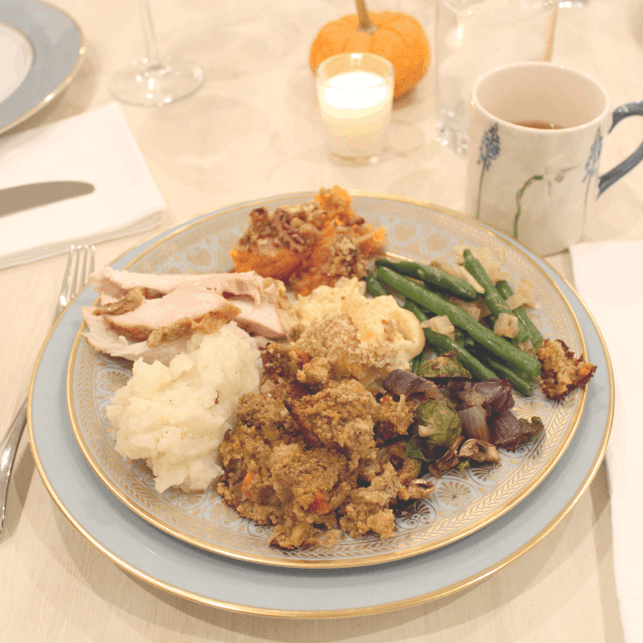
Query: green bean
x=444, y=344
x=415, y=362
x=408, y=268
x=433, y=276
x=495, y=302
x=475, y=361
x=519, y=381
x=534, y=334
x=463, y=339
x=374, y=287
x=416, y=310
x=438, y=305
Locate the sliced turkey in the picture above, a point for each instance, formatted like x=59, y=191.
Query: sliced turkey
x=106, y=340
x=152, y=316
x=115, y=284
x=167, y=315
x=262, y=319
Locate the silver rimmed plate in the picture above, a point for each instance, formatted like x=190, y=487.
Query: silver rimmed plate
x=191, y=572
x=44, y=51
x=461, y=504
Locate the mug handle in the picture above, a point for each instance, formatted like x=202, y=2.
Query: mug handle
x=609, y=178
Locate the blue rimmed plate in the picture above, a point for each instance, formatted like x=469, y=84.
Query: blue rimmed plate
x=57, y=51
x=190, y=571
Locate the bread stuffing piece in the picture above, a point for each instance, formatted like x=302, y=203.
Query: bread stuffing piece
x=562, y=371
x=306, y=453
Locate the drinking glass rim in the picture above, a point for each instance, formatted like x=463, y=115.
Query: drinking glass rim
x=355, y=55
x=475, y=102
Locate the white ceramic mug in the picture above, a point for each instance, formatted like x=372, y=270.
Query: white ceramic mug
x=536, y=132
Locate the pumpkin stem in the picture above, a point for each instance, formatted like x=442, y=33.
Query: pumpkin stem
x=365, y=23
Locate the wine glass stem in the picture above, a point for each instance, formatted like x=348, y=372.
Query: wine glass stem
x=149, y=35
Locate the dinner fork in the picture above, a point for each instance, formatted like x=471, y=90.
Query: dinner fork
x=80, y=264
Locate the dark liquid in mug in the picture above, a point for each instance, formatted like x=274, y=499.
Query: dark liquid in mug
x=539, y=125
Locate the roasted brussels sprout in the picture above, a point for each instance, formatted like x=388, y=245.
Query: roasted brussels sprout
x=438, y=425
x=444, y=366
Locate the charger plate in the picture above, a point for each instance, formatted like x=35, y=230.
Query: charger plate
x=192, y=572
x=462, y=502
x=58, y=51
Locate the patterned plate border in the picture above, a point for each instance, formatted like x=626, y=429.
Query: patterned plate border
x=461, y=504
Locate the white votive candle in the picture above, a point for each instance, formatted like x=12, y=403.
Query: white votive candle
x=355, y=107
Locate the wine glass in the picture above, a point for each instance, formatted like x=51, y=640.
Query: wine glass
x=155, y=80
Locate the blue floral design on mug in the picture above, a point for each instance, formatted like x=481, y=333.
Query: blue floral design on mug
x=552, y=173
x=591, y=165
x=489, y=150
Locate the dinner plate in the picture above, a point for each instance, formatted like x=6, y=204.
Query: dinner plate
x=185, y=570
x=461, y=503
x=16, y=59
x=39, y=75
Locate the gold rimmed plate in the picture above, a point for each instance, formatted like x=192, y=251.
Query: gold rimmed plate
x=57, y=52
x=461, y=504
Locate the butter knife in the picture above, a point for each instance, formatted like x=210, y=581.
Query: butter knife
x=24, y=197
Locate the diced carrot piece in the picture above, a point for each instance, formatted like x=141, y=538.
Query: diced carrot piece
x=247, y=480
x=304, y=357
x=319, y=505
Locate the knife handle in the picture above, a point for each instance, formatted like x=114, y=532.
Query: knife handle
x=8, y=450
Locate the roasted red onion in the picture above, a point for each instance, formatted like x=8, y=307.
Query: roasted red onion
x=474, y=423
x=494, y=394
x=405, y=383
x=510, y=432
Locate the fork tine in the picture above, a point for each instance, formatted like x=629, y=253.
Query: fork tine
x=83, y=268
x=91, y=267
x=80, y=265
x=88, y=267
x=64, y=288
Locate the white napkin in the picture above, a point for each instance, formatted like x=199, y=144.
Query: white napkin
x=96, y=147
x=608, y=278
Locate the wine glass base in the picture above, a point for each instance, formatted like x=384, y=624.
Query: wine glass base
x=355, y=161
x=143, y=83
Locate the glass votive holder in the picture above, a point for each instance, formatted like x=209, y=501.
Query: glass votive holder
x=355, y=92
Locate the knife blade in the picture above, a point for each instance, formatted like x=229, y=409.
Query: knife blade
x=31, y=195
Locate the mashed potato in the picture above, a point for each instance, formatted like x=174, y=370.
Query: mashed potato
x=175, y=416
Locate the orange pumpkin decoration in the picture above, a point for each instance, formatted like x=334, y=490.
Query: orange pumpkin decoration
x=399, y=38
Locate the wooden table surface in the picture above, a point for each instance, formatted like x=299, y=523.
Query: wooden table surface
x=253, y=130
